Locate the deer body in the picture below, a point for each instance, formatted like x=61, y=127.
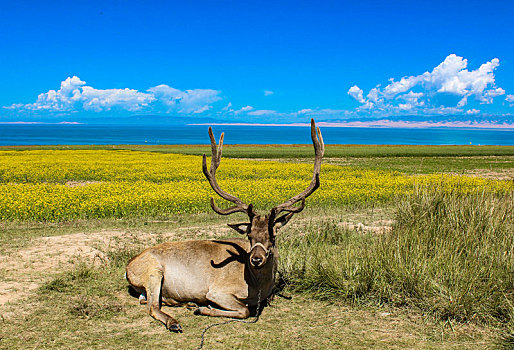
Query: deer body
x=189, y=270
x=229, y=274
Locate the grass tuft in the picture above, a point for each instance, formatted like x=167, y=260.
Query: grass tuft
x=449, y=254
x=87, y=307
x=68, y=281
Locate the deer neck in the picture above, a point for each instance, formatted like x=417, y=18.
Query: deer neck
x=265, y=274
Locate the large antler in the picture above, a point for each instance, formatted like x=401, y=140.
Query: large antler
x=211, y=176
x=319, y=150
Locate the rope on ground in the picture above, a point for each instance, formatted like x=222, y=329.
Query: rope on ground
x=230, y=321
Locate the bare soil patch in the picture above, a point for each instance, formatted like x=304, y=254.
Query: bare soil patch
x=499, y=174
x=378, y=227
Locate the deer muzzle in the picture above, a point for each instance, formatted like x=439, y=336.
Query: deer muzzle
x=258, y=255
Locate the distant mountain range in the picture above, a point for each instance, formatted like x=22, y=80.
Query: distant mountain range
x=169, y=120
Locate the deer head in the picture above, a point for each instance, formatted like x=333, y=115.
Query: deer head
x=261, y=229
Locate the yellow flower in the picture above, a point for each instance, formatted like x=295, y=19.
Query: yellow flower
x=66, y=184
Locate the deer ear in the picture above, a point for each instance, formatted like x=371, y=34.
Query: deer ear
x=281, y=221
x=242, y=228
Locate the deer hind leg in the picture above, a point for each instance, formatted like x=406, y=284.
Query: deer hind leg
x=153, y=294
x=233, y=307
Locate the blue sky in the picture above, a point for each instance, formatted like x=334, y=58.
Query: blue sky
x=279, y=61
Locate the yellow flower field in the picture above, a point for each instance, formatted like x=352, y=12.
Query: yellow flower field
x=60, y=185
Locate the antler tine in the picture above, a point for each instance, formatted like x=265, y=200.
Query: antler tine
x=291, y=209
x=319, y=150
x=210, y=174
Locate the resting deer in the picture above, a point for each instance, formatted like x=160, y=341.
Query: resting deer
x=230, y=274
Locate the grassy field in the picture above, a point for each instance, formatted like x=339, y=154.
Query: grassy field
x=407, y=159
x=429, y=265
x=301, y=151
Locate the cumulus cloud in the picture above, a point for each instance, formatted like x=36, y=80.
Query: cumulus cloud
x=268, y=92
x=510, y=99
x=412, y=98
x=105, y=100
x=259, y=112
x=356, y=93
x=74, y=96
x=227, y=107
x=188, y=101
x=244, y=109
x=421, y=93
x=305, y=111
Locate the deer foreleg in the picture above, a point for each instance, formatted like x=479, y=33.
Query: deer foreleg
x=233, y=307
x=153, y=294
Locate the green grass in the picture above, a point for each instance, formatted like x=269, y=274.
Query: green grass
x=304, y=151
x=499, y=166
x=450, y=255
x=406, y=159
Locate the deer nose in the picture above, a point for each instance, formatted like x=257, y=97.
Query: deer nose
x=256, y=261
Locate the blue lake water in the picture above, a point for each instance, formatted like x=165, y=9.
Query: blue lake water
x=46, y=134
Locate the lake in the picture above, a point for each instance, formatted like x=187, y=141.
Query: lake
x=81, y=134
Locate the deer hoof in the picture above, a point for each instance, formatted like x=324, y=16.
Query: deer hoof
x=174, y=327
x=205, y=311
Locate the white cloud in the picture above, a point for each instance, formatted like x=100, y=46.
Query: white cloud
x=420, y=93
x=373, y=95
x=227, y=107
x=412, y=98
x=489, y=95
x=259, y=112
x=268, y=92
x=472, y=111
x=397, y=87
x=305, y=111
x=105, y=100
x=357, y=93
x=188, y=101
x=405, y=106
x=510, y=99
x=442, y=110
x=320, y=113
x=74, y=95
x=244, y=109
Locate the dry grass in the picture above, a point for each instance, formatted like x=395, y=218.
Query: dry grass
x=87, y=306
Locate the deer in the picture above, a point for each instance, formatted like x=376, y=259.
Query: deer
x=223, y=277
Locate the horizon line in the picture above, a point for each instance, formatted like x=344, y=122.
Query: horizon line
x=384, y=123
x=39, y=123
x=378, y=124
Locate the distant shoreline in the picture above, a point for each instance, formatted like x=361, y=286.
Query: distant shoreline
x=41, y=123
x=382, y=125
